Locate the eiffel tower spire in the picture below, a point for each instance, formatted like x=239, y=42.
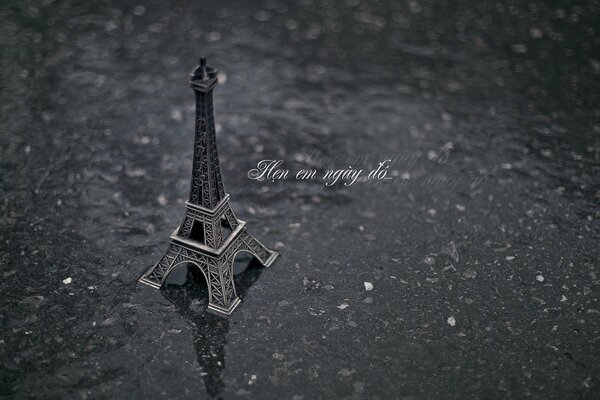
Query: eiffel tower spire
x=206, y=189
x=210, y=235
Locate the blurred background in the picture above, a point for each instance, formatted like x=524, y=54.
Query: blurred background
x=482, y=250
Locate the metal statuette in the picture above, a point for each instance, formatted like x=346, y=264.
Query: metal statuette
x=210, y=235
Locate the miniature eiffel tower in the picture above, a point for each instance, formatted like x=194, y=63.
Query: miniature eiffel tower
x=210, y=235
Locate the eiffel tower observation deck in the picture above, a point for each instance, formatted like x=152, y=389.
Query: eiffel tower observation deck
x=210, y=235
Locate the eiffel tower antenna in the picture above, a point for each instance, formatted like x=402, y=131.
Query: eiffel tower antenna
x=210, y=235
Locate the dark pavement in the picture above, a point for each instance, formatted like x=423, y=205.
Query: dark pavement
x=482, y=250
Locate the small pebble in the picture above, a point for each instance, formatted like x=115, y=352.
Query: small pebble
x=368, y=286
x=177, y=115
x=536, y=32
x=469, y=273
x=429, y=260
x=67, y=280
x=539, y=278
x=451, y=321
x=139, y=10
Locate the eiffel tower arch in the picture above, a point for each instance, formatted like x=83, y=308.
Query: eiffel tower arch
x=210, y=235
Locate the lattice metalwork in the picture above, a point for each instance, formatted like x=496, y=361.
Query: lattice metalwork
x=210, y=235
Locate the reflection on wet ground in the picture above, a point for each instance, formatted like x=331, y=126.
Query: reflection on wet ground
x=210, y=330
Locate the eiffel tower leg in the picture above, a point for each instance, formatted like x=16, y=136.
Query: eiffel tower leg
x=223, y=298
x=157, y=273
x=261, y=252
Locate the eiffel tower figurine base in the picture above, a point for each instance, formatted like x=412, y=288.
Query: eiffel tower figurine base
x=215, y=264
